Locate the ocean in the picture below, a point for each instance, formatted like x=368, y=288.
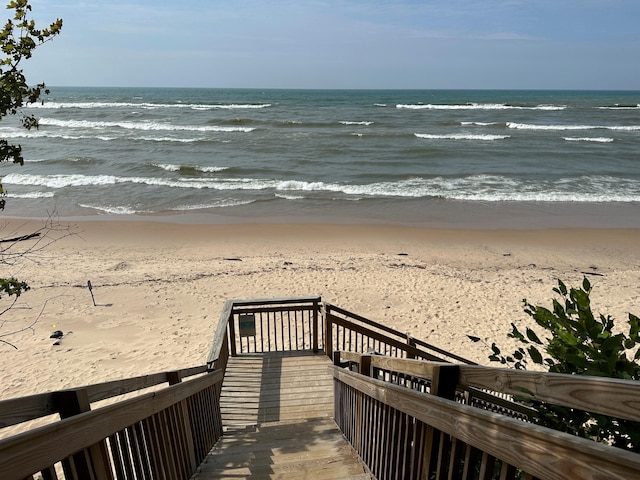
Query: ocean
x=429, y=157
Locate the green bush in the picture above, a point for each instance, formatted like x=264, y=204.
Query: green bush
x=576, y=342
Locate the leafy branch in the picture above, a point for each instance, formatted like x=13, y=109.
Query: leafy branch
x=577, y=342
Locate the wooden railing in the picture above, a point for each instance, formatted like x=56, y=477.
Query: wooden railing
x=346, y=331
x=271, y=325
x=160, y=434
x=400, y=432
x=410, y=409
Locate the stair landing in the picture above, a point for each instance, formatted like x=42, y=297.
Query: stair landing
x=277, y=417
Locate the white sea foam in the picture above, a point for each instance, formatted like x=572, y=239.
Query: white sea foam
x=111, y=210
x=221, y=203
x=527, y=126
x=289, y=196
x=476, y=106
x=460, y=136
x=31, y=195
x=589, y=139
x=170, y=167
x=356, y=123
x=477, y=124
x=489, y=188
x=140, y=126
x=146, y=106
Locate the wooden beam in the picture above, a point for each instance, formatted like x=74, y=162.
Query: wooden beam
x=607, y=396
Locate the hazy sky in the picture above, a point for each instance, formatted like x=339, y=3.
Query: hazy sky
x=566, y=44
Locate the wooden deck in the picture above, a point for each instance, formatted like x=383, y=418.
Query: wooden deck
x=277, y=416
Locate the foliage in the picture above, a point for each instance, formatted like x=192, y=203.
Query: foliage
x=18, y=39
x=579, y=343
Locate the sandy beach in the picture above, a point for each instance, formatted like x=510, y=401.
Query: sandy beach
x=159, y=287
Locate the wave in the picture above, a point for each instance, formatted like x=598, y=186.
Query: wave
x=170, y=167
x=112, y=210
x=487, y=188
x=477, y=124
x=461, y=136
x=31, y=195
x=589, y=139
x=357, y=123
x=16, y=133
x=148, y=126
x=478, y=106
x=622, y=106
x=146, y=106
x=527, y=126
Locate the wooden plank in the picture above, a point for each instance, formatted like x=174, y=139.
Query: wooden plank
x=275, y=301
x=221, y=333
x=607, y=396
x=392, y=342
x=23, y=409
x=23, y=454
x=542, y=452
x=310, y=448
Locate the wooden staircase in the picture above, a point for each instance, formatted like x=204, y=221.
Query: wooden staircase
x=277, y=416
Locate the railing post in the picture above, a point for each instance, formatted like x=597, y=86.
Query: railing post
x=328, y=335
x=92, y=462
x=365, y=365
x=336, y=358
x=184, y=417
x=443, y=385
x=411, y=343
x=232, y=334
x=315, y=326
x=174, y=377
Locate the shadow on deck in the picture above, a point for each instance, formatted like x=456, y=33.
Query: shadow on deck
x=277, y=413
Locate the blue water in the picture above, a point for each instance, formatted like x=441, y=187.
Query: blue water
x=282, y=153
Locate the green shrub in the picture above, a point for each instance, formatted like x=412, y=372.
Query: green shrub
x=576, y=342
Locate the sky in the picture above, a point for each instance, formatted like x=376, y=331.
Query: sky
x=405, y=44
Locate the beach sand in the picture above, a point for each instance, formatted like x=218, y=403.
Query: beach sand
x=160, y=287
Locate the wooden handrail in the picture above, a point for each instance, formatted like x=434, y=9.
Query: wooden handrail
x=538, y=451
x=221, y=332
x=591, y=394
x=400, y=345
x=23, y=409
x=27, y=453
x=332, y=309
x=607, y=396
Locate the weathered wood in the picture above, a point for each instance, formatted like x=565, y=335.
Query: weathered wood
x=274, y=301
x=18, y=410
x=377, y=336
x=220, y=335
x=607, y=396
x=24, y=454
x=397, y=334
x=542, y=452
x=303, y=448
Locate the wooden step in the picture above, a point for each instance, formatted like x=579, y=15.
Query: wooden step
x=277, y=421
x=312, y=448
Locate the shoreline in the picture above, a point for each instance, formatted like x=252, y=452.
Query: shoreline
x=159, y=287
x=426, y=213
